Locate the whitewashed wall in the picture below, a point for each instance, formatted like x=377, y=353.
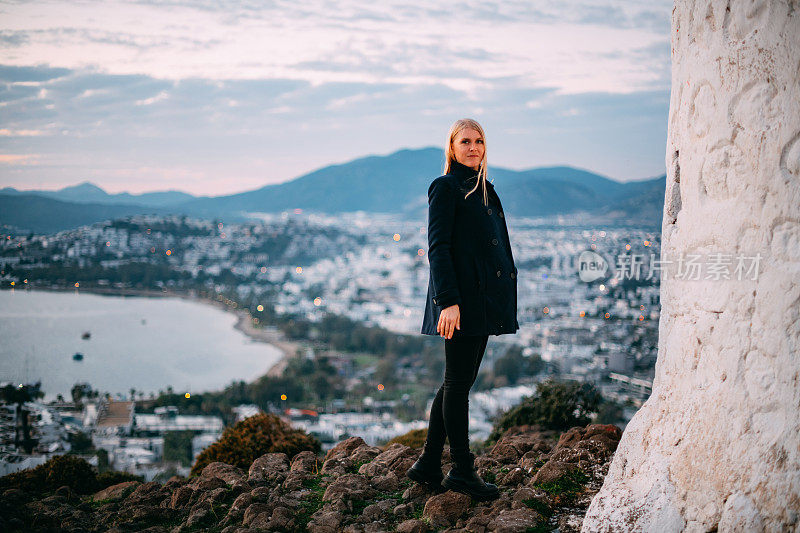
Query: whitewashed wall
x=716, y=445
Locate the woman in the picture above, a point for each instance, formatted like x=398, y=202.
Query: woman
x=472, y=293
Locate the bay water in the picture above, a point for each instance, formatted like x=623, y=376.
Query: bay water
x=137, y=342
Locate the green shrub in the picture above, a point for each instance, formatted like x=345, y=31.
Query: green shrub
x=251, y=438
x=56, y=472
x=557, y=405
x=413, y=439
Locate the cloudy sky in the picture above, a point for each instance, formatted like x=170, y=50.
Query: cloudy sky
x=214, y=97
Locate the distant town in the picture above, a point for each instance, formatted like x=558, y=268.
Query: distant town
x=343, y=298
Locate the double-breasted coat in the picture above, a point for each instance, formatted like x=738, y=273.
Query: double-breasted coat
x=470, y=257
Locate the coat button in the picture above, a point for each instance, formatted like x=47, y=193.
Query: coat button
x=434, y=300
x=499, y=273
x=500, y=213
x=489, y=210
x=494, y=241
x=513, y=275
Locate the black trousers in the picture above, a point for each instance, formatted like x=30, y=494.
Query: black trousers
x=450, y=410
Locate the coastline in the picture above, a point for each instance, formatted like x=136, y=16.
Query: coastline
x=268, y=335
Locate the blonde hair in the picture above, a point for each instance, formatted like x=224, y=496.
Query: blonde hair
x=449, y=153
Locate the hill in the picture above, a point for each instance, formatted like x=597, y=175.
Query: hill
x=394, y=183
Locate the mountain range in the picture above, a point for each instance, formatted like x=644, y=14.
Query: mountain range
x=395, y=183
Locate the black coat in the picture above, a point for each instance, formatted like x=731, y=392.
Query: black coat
x=470, y=257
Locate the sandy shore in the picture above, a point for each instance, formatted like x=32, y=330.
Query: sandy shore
x=267, y=334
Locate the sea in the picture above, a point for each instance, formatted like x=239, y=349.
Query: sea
x=126, y=342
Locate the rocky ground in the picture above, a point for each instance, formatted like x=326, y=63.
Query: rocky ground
x=545, y=484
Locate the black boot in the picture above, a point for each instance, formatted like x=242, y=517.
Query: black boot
x=463, y=478
x=427, y=469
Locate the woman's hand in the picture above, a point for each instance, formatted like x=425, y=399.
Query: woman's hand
x=449, y=320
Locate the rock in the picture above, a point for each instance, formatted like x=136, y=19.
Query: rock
x=378, y=511
x=262, y=522
x=344, y=455
x=444, y=509
x=515, y=521
x=325, y=522
x=397, y=458
x=181, y=497
x=305, y=462
x=282, y=518
x=484, y=461
x=348, y=487
x=403, y=510
x=228, y=473
x=270, y=468
x=570, y=438
x=364, y=454
x=551, y=471
x=522, y=494
x=344, y=448
x=151, y=493
x=417, y=493
x=515, y=443
x=174, y=482
x=239, y=487
x=255, y=510
x=294, y=481
x=215, y=496
x=477, y=524
x=261, y=494
x=503, y=503
x=115, y=492
x=412, y=526
x=203, y=484
x=197, y=517
x=532, y=461
x=375, y=527
x=386, y=483
x=514, y=477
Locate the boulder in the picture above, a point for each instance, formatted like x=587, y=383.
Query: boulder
x=412, y=526
x=115, y=492
x=305, y=462
x=228, y=473
x=348, y=487
x=397, y=458
x=551, y=471
x=515, y=521
x=270, y=469
x=442, y=510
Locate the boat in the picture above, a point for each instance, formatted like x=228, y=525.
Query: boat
x=86, y=335
x=77, y=357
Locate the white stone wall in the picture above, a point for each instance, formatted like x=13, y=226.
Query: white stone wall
x=716, y=446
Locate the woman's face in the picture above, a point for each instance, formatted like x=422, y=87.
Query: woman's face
x=468, y=148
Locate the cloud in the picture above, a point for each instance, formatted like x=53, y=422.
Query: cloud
x=21, y=133
x=226, y=96
x=552, y=44
x=17, y=159
x=16, y=74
